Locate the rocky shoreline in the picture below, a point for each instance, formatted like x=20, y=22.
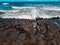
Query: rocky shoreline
x=29, y=32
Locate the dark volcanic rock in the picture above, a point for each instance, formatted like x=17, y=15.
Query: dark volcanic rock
x=29, y=32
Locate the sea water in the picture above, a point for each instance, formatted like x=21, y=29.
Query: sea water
x=30, y=10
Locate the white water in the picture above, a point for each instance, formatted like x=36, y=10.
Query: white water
x=31, y=12
x=5, y=3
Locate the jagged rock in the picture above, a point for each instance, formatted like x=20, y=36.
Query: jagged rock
x=29, y=32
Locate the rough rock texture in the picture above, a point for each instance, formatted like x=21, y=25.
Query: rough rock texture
x=29, y=32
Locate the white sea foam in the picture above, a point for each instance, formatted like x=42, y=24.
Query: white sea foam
x=31, y=12
x=5, y=3
x=14, y=7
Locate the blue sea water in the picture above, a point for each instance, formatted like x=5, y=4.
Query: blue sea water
x=31, y=4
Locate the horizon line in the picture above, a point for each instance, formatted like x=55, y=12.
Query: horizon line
x=30, y=1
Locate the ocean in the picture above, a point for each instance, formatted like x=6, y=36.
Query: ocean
x=30, y=10
x=7, y=6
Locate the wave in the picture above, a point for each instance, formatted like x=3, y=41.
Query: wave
x=5, y=3
x=31, y=12
x=15, y=7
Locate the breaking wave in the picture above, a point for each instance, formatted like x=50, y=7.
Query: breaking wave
x=31, y=12
x=5, y=3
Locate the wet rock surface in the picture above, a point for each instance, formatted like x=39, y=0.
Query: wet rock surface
x=29, y=32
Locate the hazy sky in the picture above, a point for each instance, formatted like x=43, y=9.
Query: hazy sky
x=29, y=0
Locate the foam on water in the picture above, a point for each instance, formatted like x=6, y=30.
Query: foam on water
x=31, y=12
x=5, y=3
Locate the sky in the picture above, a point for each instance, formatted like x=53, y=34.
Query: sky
x=29, y=0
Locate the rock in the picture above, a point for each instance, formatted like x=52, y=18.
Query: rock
x=29, y=32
